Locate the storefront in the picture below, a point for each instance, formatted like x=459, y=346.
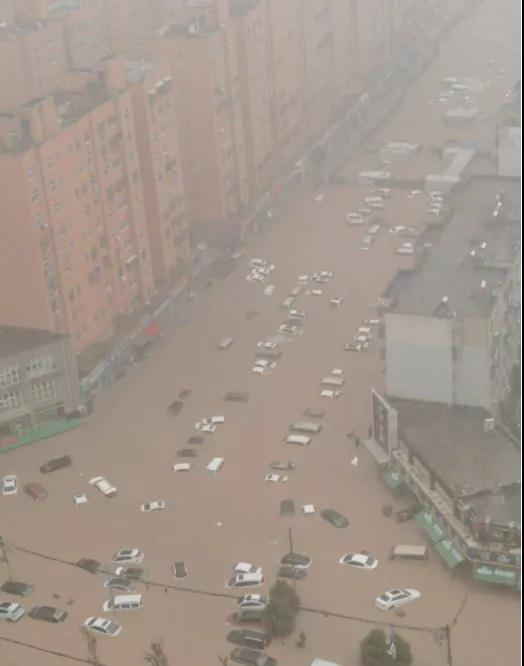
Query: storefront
x=428, y=522
x=496, y=575
x=450, y=553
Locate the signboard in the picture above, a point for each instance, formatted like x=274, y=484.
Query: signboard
x=384, y=422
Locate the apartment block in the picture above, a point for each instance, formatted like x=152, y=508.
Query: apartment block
x=151, y=88
x=75, y=214
x=452, y=332
x=200, y=49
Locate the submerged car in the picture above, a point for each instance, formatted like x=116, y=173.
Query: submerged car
x=334, y=518
x=359, y=561
x=128, y=555
x=288, y=571
x=56, y=464
x=87, y=564
x=157, y=505
x=17, y=588
x=282, y=465
x=100, y=625
x=297, y=560
x=48, y=614
x=393, y=598
x=252, y=657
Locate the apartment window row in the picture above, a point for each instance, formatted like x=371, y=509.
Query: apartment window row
x=10, y=400
x=44, y=391
x=41, y=365
x=10, y=375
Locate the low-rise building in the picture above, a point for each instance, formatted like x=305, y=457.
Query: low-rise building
x=38, y=378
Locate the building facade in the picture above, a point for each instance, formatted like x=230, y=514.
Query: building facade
x=38, y=378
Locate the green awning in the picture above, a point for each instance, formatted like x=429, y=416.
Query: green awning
x=428, y=523
x=451, y=555
x=496, y=575
x=392, y=479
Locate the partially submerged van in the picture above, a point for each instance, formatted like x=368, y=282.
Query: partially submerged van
x=123, y=602
x=332, y=381
x=416, y=553
x=309, y=427
x=302, y=440
x=215, y=465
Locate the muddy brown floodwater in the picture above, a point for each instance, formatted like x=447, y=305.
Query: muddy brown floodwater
x=214, y=521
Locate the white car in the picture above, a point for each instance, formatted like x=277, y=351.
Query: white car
x=265, y=270
x=290, y=329
x=215, y=420
x=103, y=486
x=157, y=505
x=10, y=485
x=354, y=218
x=255, y=277
x=128, y=556
x=80, y=498
x=329, y=393
x=316, y=292
x=298, y=314
x=253, y=601
x=258, y=263
x=102, y=626
x=321, y=279
x=393, y=598
x=268, y=291
x=328, y=274
x=337, y=372
x=246, y=580
x=359, y=561
x=303, y=278
x=246, y=567
x=405, y=249
x=258, y=370
x=264, y=363
x=370, y=321
x=205, y=426
x=366, y=212
x=413, y=193
x=356, y=346
x=335, y=302
x=266, y=345
x=361, y=339
x=11, y=611
x=182, y=467
x=396, y=229
x=273, y=478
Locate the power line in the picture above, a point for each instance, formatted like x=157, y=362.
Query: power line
x=55, y=653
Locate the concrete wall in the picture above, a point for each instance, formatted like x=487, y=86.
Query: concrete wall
x=419, y=358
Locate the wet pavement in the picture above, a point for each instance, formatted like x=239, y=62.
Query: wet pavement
x=212, y=521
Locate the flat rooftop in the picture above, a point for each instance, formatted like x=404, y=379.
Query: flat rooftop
x=471, y=462
x=448, y=269
x=15, y=340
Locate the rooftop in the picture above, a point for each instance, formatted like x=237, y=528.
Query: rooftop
x=468, y=281
x=15, y=340
x=470, y=461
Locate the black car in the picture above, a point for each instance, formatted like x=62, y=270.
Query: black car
x=93, y=566
x=237, y=396
x=334, y=518
x=252, y=657
x=249, y=638
x=287, y=508
x=175, y=407
x=180, y=569
x=283, y=465
x=48, y=614
x=17, y=588
x=119, y=584
x=297, y=560
x=187, y=453
x=288, y=571
x=313, y=412
x=56, y=463
x=195, y=439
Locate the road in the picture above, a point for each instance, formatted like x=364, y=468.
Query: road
x=214, y=521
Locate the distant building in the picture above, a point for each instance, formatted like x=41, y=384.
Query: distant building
x=452, y=328
x=38, y=378
x=509, y=151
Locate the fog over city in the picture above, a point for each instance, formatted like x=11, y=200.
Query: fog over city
x=260, y=332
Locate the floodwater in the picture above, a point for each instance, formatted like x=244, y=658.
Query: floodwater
x=214, y=521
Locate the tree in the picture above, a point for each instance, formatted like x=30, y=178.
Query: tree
x=374, y=650
x=281, y=612
x=157, y=655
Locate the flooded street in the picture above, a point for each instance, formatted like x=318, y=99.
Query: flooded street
x=213, y=521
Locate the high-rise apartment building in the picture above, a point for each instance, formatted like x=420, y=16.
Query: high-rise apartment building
x=200, y=50
x=152, y=96
x=74, y=216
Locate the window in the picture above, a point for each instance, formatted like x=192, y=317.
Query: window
x=10, y=375
x=10, y=400
x=44, y=391
x=41, y=365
